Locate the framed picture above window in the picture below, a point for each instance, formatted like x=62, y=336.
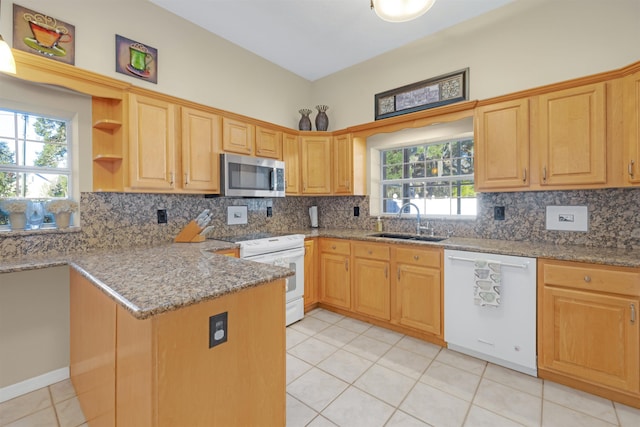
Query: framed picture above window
x=430, y=93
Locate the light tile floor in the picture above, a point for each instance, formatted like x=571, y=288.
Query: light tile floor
x=53, y=406
x=347, y=373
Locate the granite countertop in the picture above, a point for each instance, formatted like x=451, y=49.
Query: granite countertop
x=610, y=256
x=151, y=280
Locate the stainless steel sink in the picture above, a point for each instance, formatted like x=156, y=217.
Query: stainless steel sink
x=409, y=237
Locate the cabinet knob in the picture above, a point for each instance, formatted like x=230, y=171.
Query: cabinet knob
x=333, y=247
x=587, y=279
x=370, y=252
x=416, y=257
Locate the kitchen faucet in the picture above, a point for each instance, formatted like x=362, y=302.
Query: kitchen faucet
x=418, y=226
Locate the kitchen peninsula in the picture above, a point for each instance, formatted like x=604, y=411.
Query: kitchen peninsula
x=140, y=317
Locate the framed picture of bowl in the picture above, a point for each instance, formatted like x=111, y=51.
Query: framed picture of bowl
x=44, y=35
x=136, y=59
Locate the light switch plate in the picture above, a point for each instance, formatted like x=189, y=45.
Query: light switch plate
x=237, y=215
x=567, y=218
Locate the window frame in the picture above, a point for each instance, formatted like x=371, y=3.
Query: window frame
x=464, y=179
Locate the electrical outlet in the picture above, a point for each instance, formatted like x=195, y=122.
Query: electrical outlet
x=218, y=329
x=162, y=216
x=356, y=211
x=498, y=213
x=269, y=211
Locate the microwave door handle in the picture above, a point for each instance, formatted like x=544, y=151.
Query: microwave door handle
x=272, y=179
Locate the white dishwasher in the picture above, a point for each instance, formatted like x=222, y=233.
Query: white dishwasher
x=502, y=330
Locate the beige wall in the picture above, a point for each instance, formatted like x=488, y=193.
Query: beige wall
x=527, y=44
x=193, y=64
x=34, y=323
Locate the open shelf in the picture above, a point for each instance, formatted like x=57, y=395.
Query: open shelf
x=107, y=158
x=107, y=124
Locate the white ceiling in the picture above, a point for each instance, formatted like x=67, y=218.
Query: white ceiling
x=315, y=38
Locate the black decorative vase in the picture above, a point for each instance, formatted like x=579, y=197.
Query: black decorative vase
x=305, y=121
x=322, y=121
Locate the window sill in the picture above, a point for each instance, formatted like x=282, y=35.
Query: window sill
x=7, y=232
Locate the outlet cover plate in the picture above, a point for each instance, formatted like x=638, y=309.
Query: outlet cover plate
x=237, y=215
x=567, y=218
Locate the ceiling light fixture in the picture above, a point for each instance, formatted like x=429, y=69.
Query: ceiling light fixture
x=401, y=10
x=7, y=62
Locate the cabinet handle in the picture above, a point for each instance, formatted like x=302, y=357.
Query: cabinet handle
x=386, y=272
x=333, y=247
x=633, y=313
x=346, y=264
x=370, y=252
x=630, y=168
x=186, y=178
x=416, y=257
x=171, y=178
x=587, y=279
x=544, y=174
x=398, y=274
x=524, y=175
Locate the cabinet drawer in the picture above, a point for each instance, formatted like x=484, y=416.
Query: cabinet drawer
x=335, y=246
x=372, y=251
x=422, y=257
x=617, y=280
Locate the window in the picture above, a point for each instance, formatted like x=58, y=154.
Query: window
x=437, y=177
x=34, y=157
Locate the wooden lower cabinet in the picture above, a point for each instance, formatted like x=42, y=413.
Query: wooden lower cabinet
x=395, y=286
x=310, y=281
x=335, y=275
x=371, y=283
x=418, y=289
x=161, y=371
x=588, y=334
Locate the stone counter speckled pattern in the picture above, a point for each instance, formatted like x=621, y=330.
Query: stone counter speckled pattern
x=610, y=256
x=151, y=280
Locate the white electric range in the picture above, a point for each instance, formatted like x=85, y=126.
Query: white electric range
x=285, y=250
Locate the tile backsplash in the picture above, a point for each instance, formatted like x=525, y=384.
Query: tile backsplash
x=115, y=220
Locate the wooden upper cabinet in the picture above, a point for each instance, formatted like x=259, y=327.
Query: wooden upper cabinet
x=291, y=157
x=571, y=136
x=316, y=164
x=502, y=145
x=342, y=165
x=632, y=127
x=152, y=143
x=268, y=143
x=238, y=137
x=201, y=134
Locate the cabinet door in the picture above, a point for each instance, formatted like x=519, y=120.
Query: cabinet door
x=572, y=136
x=591, y=336
x=316, y=165
x=268, y=143
x=334, y=278
x=291, y=157
x=632, y=127
x=502, y=145
x=238, y=137
x=200, y=150
x=418, y=291
x=152, y=143
x=310, y=289
x=372, y=290
x=342, y=165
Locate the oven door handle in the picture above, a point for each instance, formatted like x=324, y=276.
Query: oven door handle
x=272, y=179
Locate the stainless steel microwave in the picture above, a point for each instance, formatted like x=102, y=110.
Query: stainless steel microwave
x=244, y=176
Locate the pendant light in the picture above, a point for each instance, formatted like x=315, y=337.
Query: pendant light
x=7, y=62
x=401, y=10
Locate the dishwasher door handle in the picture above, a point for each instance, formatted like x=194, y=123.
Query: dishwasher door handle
x=504, y=264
